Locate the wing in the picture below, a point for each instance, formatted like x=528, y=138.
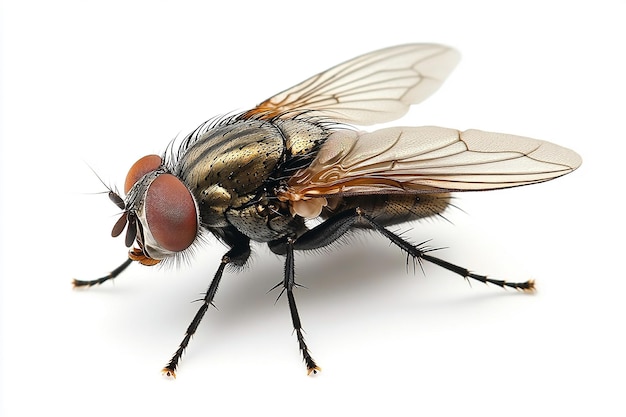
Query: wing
x=373, y=88
x=425, y=160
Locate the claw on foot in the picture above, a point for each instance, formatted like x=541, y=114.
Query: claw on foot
x=528, y=286
x=168, y=373
x=313, y=370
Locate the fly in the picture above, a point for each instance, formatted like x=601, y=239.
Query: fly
x=259, y=175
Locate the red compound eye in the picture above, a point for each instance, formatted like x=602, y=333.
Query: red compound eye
x=171, y=213
x=140, y=168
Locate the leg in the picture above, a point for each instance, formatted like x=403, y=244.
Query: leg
x=336, y=226
x=237, y=255
x=288, y=284
x=317, y=237
x=78, y=283
x=422, y=254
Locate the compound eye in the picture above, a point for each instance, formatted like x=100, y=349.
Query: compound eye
x=140, y=168
x=171, y=213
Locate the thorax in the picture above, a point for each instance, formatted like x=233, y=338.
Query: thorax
x=233, y=168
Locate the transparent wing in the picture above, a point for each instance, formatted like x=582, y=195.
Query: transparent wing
x=427, y=159
x=373, y=88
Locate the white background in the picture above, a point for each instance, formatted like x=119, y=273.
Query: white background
x=102, y=84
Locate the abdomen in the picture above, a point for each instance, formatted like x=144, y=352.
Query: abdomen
x=390, y=209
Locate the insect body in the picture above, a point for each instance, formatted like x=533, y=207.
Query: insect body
x=259, y=175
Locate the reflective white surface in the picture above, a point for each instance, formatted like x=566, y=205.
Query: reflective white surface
x=103, y=86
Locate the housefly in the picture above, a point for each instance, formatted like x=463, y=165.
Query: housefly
x=262, y=174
